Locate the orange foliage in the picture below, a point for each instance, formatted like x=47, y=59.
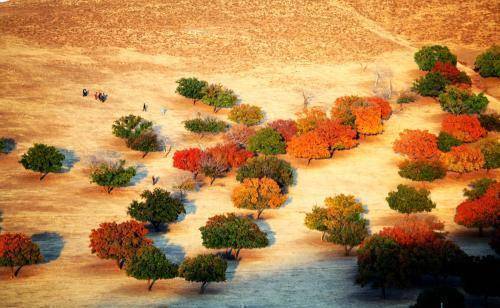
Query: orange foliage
x=466, y=128
x=229, y=153
x=482, y=212
x=385, y=107
x=368, y=119
x=463, y=158
x=342, y=109
x=258, y=194
x=410, y=232
x=417, y=144
x=336, y=135
x=309, y=118
x=309, y=145
x=286, y=128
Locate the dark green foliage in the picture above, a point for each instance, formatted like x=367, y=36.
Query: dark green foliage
x=405, y=99
x=42, y=158
x=431, y=84
x=490, y=122
x=191, y=88
x=488, y=63
x=217, y=96
x=267, y=166
x=146, y=142
x=440, y=297
x=151, y=264
x=111, y=175
x=267, y=141
x=422, y=170
x=427, y=56
x=232, y=232
x=130, y=126
x=205, y=125
x=457, y=101
x=491, y=152
x=447, y=141
x=203, y=268
x=158, y=207
x=478, y=188
x=409, y=200
x=481, y=276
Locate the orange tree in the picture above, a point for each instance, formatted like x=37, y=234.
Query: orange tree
x=385, y=107
x=309, y=118
x=342, y=109
x=309, y=146
x=368, y=119
x=336, y=135
x=417, y=145
x=17, y=249
x=466, y=128
x=463, y=159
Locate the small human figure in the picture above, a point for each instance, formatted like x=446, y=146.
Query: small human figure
x=155, y=179
x=96, y=95
x=144, y=107
x=163, y=110
x=85, y=92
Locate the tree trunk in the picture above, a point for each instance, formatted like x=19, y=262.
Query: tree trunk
x=194, y=101
x=121, y=262
x=259, y=212
x=110, y=189
x=212, y=181
x=215, y=109
x=237, y=253
x=203, y=287
x=195, y=174
x=309, y=161
x=229, y=252
x=347, y=250
x=18, y=270
x=151, y=285
x=43, y=175
x=12, y=272
x=144, y=155
x=323, y=236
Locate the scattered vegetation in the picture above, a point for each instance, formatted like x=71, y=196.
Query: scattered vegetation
x=267, y=141
x=427, y=56
x=490, y=122
x=286, y=128
x=189, y=160
x=218, y=96
x=408, y=200
x=203, y=268
x=271, y=167
x=457, y=101
x=446, y=141
x=205, y=125
x=432, y=84
x=246, y=114
x=417, y=145
x=422, y=170
x=465, y=128
x=42, y=158
x=112, y=174
x=191, y=88
x=487, y=64
x=17, y=250
x=463, y=159
x=130, y=126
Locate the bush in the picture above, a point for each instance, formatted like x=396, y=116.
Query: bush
x=239, y=134
x=440, y=297
x=431, y=84
x=191, y=88
x=336, y=135
x=446, y=141
x=490, y=122
x=309, y=118
x=463, y=158
x=272, y=167
x=17, y=249
x=488, y=63
x=246, y=114
x=427, y=56
x=205, y=125
x=258, y=194
x=267, y=141
x=203, y=268
x=217, y=96
x=150, y=264
x=408, y=200
x=309, y=146
x=406, y=98
x=465, y=128
x=342, y=109
x=490, y=148
x=417, y=145
x=130, y=126
x=478, y=188
x=286, y=128
x=189, y=160
x=385, y=107
x=42, y=158
x=451, y=72
x=145, y=142
x=111, y=175
x=368, y=119
x=213, y=166
x=422, y=170
x=230, y=153
x=158, y=207
x=457, y=101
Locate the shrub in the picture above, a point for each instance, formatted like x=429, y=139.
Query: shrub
x=478, y=188
x=191, y=88
x=246, y=114
x=440, y=297
x=411, y=232
x=417, y=145
x=213, y=167
x=385, y=107
x=427, y=56
x=183, y=185
x=189, y=160
x=405, y=98
x=431, y=84
x=457, y=101
x=111, y=175
x=119, y=242
x=17, y=249
x=490, y=122
x=309, y=118
x=158, y=207
x=239, y=134
x=463, y=158
x=342, y=109
x=150, y=264
x=490, y=148
x=205, y=125
x=309, y=146
x=42, y=158
x=217, y=96
x=422, y=170
x=446, y=141
x=130, y=126
x=258, y=194
x=488, y=63
x=336, y=135
x=408, y=200
x=230, y=153
x=451, y=72
x=267, y=141
x=232, y=232
x=203, y=268
x=145, y=142
x=465, y=128
x=368, y=119
x=272, y=167
x=286, y=128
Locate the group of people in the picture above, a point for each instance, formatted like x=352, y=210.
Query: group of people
x=97, y=95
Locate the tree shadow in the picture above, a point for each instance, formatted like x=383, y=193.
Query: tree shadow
x=51, y=245
x=173, y=252
x=190, y=209
x=9, y=145
x=70, y=159
x=264, y=227
x=142, y=173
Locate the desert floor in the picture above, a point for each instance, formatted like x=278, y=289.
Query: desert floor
x=269, y=53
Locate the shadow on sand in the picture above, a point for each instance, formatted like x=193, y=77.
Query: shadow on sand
x=70, y=159
x=51, y=245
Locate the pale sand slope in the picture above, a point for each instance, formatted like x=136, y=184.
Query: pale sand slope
x=41, y=102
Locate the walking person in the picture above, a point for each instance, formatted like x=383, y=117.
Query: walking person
x=144, y=107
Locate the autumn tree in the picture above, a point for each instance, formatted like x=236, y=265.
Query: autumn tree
x=309, y=146
x=490, y=122
x=151, y=264
x=246, y=114
x=203, y=268
x=466, y=128
x=213, y=167
x=476, y=189
x=309, y=118
x=218, y=96
x=368, y=119
x=267, y=141
x=130, y=126
x=158, y=207
x=417, y=145
x=315, y=220
x=112, y=174
x=189, y=160
x=336, y=135
x=427, y=56
x=463, y=158
x=232, y=232
x=17, y=250
x=342, y=109
x=490, y=148
x=271, y=167
x=231, y=153
x=43, y=159
x=408, y=200
x=206, y=125
x=383, y=104
x=191, y=88
x=458, y=101
x=286, y=128
x=258, y=194
x=239, y=134
x=452, y=73
x=119, y=242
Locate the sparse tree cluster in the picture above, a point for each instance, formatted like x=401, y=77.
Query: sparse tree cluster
x=138, y=134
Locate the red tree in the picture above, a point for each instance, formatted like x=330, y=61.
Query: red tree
x=231, y=153
x=466, y=128
x=412, y=232
x=118, y=241
x=189, y=160
x=452, y=73
x=17, y=249
x=239, y=134
x=417, y=144
x=336, y=135
x=310, y=146
x=385, y=107
x=286, y=128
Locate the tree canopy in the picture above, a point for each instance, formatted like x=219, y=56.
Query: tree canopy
x=42, y=158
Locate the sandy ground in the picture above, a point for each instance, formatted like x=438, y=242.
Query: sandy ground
x=269, y=56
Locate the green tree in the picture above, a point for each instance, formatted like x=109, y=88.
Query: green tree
x=151, y=264
x=478, y=188
x=130, y=126
x=42, y=158
x=232, y=232
x=432, y=84
x=267, y=141
x=457, y=101
x=490, y=122
x=112, y=175
x=146, y=142
x=447, y=141
x=191, y=88
x=409, y=200
x=217, y=96
x=315, y=220
x=422, y=170
x=267, y=166
x=158, y=207
x=204, y=268
x=487, y=64
x=490, y=148
x=205, y=125
x=427, y=56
